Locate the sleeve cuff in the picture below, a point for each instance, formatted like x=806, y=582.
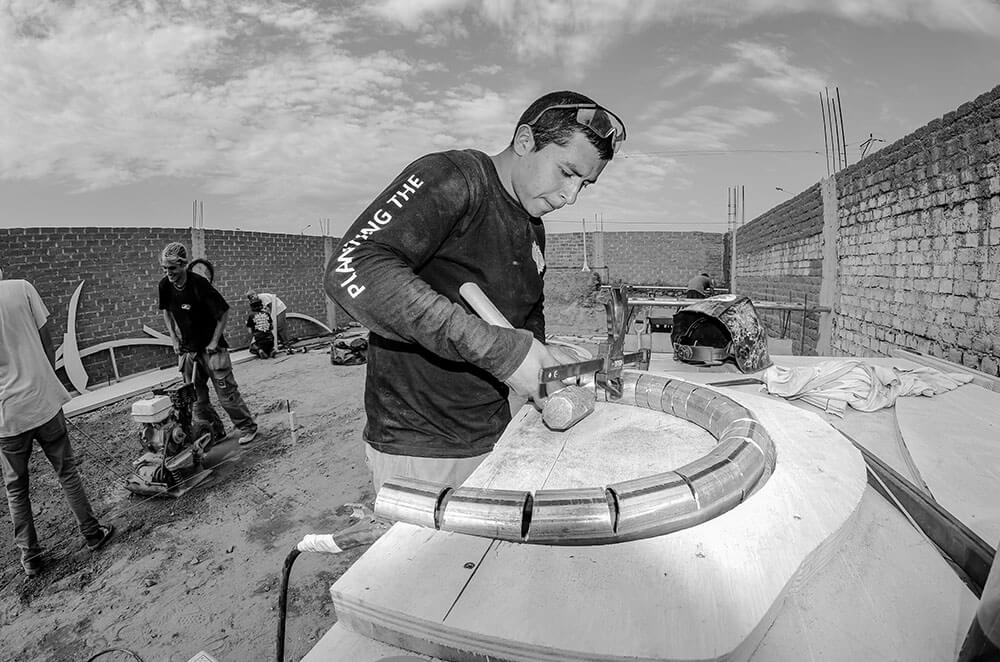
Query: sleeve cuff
x=513, y=346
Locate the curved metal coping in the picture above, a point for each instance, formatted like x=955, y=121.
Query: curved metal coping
x=629, y=510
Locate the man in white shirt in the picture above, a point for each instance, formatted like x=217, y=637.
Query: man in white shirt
x=31, y=401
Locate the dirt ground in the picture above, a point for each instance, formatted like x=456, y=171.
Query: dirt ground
x=203, y=572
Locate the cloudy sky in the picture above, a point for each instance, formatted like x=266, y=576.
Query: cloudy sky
x=279, y=114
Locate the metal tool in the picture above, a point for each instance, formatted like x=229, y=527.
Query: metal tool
x=174, y=444
x=607, y=368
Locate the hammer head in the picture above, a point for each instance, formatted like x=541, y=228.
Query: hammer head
x=567, y=407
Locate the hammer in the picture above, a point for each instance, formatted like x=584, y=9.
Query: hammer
x=564, y=408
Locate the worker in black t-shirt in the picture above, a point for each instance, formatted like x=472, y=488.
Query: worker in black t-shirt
x=700, y=287
x=438, y=376
x=195, y=314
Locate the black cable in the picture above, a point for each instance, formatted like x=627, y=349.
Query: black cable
x=134, y=655
x=283, y=603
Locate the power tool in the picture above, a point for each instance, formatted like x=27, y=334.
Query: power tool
x=174, y=444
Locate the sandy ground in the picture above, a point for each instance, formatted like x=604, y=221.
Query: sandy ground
x=201, y=572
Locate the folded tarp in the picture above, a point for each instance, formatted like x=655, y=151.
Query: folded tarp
x=836, y=384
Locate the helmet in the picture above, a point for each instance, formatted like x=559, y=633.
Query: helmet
x=718, y=328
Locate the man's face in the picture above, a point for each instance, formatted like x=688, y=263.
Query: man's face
x=550, y=178
x=173, y=271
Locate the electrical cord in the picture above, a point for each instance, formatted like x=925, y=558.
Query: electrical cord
x=366, y=531
x=283, y=603
x=135, y=656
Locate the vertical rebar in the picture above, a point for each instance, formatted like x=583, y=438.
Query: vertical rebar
x=826, y=143
x=843, y=136
x=834, y=140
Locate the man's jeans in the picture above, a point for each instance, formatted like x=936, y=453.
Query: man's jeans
x=14, y=454
x=219, y=368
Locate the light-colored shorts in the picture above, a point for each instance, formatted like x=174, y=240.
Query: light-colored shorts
x=446, y=470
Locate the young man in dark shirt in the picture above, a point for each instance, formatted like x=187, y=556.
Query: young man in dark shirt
x=438, y=376
x=699, y=287
x=195, y=314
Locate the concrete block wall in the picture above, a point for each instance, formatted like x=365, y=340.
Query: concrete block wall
x=779, y=258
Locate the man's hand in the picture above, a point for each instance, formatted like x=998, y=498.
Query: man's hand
x=212, y=347
x=524, y=381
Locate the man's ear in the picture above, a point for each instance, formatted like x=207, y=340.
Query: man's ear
x=524, y=140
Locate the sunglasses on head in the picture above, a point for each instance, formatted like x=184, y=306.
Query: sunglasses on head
x=596, y=118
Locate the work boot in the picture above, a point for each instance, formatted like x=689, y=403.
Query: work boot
x=247, y=437
x=32, y=563
x=105, y=532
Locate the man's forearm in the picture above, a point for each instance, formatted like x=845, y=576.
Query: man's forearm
x=46, y=338
x=168, y=321
x=220, y=326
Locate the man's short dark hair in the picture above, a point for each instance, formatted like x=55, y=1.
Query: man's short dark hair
x=558, y=125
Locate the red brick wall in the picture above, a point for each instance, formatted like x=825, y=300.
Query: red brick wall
x=918, y=245
x=640, y=258
x=289, y=266
x=120, y=269
x=919, y=242
x=779, y=258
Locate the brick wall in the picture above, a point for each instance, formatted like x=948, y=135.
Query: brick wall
x=917, y=245
x=919, y=242
x=779, y=258
x=290, y=266
x=640, y=258
x=120, y=269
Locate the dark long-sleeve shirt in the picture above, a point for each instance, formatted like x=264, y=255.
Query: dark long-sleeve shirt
x=435, y=369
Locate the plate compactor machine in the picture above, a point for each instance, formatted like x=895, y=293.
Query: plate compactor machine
x=174, y=445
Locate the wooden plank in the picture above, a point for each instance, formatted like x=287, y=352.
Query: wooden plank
x=887, y=595
x=954, y=439
x=392, y=579
x=978, y=377
x=535, y=455
x=131, y=386
x=342, y=644
x=708, y=592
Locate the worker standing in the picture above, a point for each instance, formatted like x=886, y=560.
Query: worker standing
x=437, y=375
x=700, y=287
x=31, y=402
x=195, y=315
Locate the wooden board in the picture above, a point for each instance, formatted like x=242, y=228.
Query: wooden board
x=978, y=377
x=886, y=595
x=709, y=592
x=954, y=439
x=131, y=386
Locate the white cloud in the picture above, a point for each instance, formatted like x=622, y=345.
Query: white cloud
x=767, y=68
x=579, y=31
x=110, y=97
x=707, y=127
